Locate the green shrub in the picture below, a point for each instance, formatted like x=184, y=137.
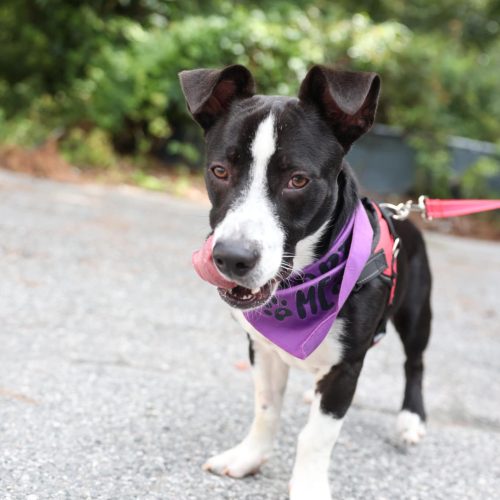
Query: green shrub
x=477, y=181
x=88, y=149
x=138, y=86
x=100, y=73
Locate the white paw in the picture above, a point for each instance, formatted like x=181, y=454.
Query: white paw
x=240, y=461
x=308, y=396
x=410, y=427
x=313, y=487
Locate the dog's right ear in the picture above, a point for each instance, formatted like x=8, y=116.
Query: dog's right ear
x=210, y=92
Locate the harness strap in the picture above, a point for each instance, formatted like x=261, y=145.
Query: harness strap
x=382, y=262
x=390, y=244
x=375, y=266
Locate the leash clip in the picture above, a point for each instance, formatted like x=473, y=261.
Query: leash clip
x=402, y=210
x=396, y=248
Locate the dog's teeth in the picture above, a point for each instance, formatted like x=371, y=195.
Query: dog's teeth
x=255, y=291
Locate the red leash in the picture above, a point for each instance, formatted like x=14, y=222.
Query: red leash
x=438, y=209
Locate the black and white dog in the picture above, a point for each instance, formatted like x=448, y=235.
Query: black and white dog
x=281, y=191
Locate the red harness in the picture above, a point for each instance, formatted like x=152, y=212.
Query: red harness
x=383, y=259
x=389, y=244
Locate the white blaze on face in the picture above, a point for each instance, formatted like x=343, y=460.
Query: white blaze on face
x=252, y=219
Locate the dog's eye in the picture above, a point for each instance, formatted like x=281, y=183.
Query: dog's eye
x=220, y=172
x=298, y=182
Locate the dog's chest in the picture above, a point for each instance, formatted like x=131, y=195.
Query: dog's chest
x=327, y=354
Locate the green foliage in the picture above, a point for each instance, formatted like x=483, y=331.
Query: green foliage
x=88, y=149
x=433, y=162
x=477, y=180
x=100, y=73
x=471, y=22
x=147, y=181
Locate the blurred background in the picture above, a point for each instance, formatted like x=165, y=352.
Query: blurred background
x=90, y=88
x=120, y=371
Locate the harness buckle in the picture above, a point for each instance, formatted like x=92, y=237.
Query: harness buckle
x=402, y=210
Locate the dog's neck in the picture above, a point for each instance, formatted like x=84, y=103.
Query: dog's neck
x=348, y=198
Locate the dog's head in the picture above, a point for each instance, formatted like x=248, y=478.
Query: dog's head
x=271, y=169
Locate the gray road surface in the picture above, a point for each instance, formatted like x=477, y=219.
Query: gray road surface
x=117, y=365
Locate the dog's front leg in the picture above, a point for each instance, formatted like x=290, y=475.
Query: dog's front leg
x=334, y=393
x=270, y=376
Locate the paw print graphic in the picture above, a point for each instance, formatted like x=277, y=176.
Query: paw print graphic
x=344, y=248
x=281, y=312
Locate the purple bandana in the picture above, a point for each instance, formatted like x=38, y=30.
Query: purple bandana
x=299, y=317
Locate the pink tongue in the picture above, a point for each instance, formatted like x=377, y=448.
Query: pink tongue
x=205, y=267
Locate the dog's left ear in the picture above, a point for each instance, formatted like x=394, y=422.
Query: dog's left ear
x=346, y=99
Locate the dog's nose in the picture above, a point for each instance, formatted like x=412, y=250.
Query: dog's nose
x=235, y=259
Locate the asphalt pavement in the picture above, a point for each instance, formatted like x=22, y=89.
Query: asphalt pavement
x=120, y=371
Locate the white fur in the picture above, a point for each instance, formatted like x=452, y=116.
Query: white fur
x=304, y=250
x=315, y=445
x=308, y=396
x=410, y=427
x=270, y=377
x=270, y=373
x=253, y=218
x=319, y=362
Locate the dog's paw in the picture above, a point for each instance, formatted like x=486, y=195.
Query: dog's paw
x=240, y=461
x=307, y=488
x=410, y=427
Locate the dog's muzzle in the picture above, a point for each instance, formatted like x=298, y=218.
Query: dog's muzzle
x=235, y=261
